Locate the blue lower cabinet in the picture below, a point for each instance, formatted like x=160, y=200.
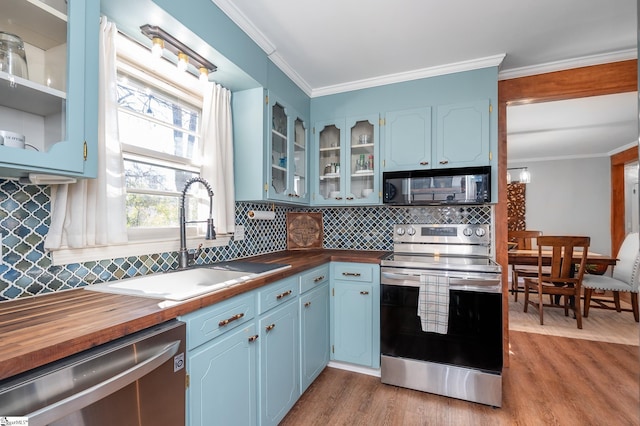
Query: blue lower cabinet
x=223, y=381
x=355, y=313
x=279, y=364
x=314, y=333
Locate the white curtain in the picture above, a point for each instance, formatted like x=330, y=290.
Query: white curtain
x=92, y=212
x=217, y=137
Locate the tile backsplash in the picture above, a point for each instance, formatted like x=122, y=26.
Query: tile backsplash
x=26, y=268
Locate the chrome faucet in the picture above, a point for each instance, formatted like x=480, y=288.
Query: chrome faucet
x=185, y=259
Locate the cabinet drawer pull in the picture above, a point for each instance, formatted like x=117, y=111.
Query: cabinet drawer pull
x=270, y=327
x=320, y=278
x=424, y=163
x=364, y=293
x=285, y=294
x=228, y=320
x=351, y=274
x=306, y=305
x=444, y=162
x=349, y=198
x=253, y=338
x=338, y=198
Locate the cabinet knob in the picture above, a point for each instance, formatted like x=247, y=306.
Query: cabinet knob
x=285, y=294
x=253, y=338
x=320, y=278
x=364, y=293
x=306, y=305
x=424, y=163
x=228, y=320
x=270, y=327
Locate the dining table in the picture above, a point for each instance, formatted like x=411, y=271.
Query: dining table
x=595, y=261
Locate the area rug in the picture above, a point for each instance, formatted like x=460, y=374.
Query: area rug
x=601, y=325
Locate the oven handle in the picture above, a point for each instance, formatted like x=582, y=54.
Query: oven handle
x=485, y=285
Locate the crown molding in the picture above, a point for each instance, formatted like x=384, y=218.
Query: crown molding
x=473, y=64
x=241, y=20
x=585, y=61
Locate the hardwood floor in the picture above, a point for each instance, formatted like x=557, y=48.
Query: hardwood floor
x=551, y=381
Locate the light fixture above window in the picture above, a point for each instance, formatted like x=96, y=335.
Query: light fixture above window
x=523, y=176
x=162, y=40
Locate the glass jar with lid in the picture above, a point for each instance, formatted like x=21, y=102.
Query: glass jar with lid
x=13, y=59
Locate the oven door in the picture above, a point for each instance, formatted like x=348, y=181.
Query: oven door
x=474, y=336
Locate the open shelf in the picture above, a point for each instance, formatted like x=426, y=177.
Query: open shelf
x=28, y=96
x=35, y=22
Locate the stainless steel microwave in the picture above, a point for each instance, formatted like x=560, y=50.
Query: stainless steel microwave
x=464, y=185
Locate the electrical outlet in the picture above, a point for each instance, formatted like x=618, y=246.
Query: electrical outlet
x=238, y=235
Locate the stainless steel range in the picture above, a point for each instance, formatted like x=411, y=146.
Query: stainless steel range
x=441, y=312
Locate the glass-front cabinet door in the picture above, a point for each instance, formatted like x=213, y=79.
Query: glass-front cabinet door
x=347, y=162
x=48, y=87
x=300, y=173
x=329, y=144
x=363, y=173
x=279, y=152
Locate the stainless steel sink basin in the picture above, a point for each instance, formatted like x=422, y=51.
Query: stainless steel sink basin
x=188, y=283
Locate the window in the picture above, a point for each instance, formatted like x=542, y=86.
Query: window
x=159, y=124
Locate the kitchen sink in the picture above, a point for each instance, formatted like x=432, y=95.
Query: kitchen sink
x=187, y=283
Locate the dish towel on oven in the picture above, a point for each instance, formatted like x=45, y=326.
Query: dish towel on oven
x=433, y=303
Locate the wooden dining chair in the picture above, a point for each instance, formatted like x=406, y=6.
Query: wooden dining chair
x=564, y=280
x=524, y=241
x=625, y=278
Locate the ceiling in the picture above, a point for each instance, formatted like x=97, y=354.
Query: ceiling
x=336, y=45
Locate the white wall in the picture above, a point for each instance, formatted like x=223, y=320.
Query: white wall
x=571, y=197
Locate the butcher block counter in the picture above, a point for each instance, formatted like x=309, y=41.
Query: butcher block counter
x=41, y=329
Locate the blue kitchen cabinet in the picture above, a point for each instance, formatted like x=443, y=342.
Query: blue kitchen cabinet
x=314, y=324
x=271, y=155
x=346, y=159
x=407, y=144
x=279, y=369
x=288, y=160
x=223, y=380
x=55, y=108
x=355, y=313
x=222, y=363
x=462, y=135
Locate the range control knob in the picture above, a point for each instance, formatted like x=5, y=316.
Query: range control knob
x=467, y=232
x=411, y=230
x=400, y=231
x=480, y=232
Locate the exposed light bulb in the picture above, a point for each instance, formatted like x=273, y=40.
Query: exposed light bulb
x=508, y=177
x=525, y=176
x=157, y=46
x=204, y=75
x=183, y=61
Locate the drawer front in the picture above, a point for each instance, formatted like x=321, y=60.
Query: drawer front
x=277, y=293
x=314, y=278
x=210, y=322
x=345, y=271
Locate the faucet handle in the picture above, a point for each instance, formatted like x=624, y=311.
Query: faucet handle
x=193, y=256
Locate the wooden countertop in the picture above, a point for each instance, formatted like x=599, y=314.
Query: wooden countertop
x=41, y=329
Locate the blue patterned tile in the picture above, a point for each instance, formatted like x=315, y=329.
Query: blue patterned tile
x=24, y=217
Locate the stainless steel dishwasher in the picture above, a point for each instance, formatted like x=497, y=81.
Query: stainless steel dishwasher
x=136, y=380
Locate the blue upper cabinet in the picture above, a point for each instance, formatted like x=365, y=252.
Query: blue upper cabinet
x=346, y=161
x=462, y=135
x=288, y=162
x=407, y=139
x=271, y=156
x=54, y=105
